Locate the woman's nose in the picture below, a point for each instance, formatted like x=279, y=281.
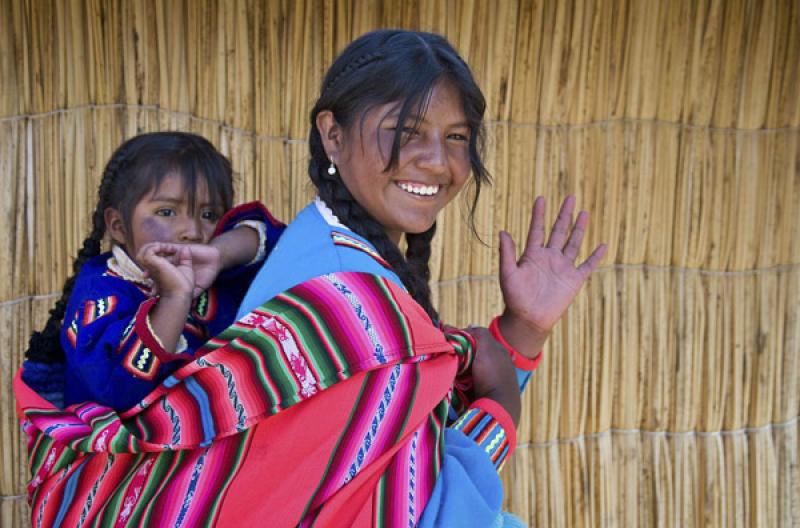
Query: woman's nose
x=434, y=155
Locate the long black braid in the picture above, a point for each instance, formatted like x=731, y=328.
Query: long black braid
x=44, y=346
x=135, y=168
x=378, y=68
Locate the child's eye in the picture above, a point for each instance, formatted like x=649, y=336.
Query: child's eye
x=165, y=211
x=458, y=137
x=211, y=216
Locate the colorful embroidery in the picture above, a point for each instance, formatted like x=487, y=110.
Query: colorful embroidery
x=141, y=361
x=94, y=310
x=487, y=432
x=341, y=239
x=205, y=306
x=72, y=331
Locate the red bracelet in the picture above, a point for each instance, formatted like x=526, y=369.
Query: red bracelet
x=520, y=361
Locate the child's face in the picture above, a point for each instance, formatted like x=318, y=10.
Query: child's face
x=165, y=215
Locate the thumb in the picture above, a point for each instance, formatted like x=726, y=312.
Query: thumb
x=508, y=255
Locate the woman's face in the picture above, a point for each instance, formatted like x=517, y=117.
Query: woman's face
x=433, y=162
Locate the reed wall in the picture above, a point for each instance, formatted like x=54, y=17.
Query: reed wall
x=670, y=393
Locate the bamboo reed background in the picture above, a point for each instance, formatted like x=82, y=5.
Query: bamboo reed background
x=670, y=394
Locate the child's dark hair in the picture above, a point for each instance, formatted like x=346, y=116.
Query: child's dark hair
x=378, y=68
x=138, y=166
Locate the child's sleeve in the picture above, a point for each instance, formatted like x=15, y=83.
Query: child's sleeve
x=112, y=353
x=257, y=217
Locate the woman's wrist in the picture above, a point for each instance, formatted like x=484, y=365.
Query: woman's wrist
x=521, y=336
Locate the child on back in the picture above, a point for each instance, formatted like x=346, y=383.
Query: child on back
x=133, y=315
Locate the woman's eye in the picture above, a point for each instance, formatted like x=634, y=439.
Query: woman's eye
x=165, y=211
x=459, y=137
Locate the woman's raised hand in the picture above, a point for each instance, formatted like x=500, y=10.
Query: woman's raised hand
x=540, y=285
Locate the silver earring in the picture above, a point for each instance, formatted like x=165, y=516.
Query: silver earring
x=332, y=169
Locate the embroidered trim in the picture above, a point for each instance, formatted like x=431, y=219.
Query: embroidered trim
x=141, y=362
x=261, y=229
x=327, y=213
x=124, y=267
x=489, y=426
x=342, y=239
x=95, y=309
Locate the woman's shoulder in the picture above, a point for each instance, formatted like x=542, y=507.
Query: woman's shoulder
x=311, y=246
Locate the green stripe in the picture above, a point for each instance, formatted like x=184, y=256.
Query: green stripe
x=313, y=332
x=380, y=512
x=114, y=501
x=244, y=444
x=166, y=475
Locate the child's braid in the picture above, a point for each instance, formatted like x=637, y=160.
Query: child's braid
x=45, y=346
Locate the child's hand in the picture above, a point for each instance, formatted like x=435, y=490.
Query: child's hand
x=539, y=287
x=170, y=268
x=207, y=264
x=493, y=373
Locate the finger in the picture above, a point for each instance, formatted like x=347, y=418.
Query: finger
x=536, y=229
x=576, y=236
x=508, y=255
x=185, y=256
x=561, y=226
x=196, y=292
x=591, y=263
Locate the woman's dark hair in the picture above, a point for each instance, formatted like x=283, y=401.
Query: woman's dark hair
x=138, y=166
x=394, y=66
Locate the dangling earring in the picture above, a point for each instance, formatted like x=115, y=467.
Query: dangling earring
x=332, y=169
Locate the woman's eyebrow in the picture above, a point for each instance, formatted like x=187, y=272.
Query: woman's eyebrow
x=417, y=118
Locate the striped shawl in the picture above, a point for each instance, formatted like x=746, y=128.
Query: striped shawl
x=322, y=407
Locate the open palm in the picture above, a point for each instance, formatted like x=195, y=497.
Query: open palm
x=539, y=287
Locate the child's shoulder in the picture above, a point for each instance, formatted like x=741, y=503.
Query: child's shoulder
x=97, y=276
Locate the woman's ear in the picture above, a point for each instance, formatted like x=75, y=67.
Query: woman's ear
x=115, y=226
x=331, y=134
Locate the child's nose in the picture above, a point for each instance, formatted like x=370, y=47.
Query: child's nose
x=190, y=231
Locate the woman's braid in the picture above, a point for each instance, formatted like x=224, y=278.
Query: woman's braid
x=356, y=64
x=418, y=255
x=45, y=346
x=414, y=273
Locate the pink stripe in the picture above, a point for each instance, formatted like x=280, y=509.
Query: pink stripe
x=340, y=318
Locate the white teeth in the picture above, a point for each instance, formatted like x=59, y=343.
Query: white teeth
x=423, y=190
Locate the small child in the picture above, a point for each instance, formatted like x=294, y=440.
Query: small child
x=132, y=316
